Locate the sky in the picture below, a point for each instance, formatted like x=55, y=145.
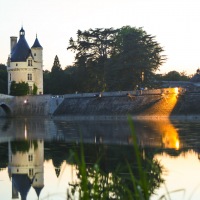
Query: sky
x=174, y=23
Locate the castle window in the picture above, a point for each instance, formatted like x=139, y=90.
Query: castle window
x=34, y=54
x=29, y=77
x=16, y=64
x=29, y=62
x=10, y=77
x=30, y=157
x=30, y=172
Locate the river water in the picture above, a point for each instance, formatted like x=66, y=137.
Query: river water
x=37, y=155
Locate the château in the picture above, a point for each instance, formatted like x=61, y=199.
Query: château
x=25, y=64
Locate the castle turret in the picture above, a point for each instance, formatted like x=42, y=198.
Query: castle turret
x=25, y=64
x=37, y=51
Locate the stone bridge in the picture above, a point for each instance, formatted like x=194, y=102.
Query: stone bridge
x=6, y=105
x=38, y=105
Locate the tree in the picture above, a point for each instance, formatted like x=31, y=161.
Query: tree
x=57, y=78
x=137, y=57
x=19, y=89
x=3, y=79
x=56, y=66
x=92, y=48
x=116, y=59
x=92, y=45
x=175, y=76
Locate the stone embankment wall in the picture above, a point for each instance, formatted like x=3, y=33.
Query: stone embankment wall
x=160, y=103
x=31, y=105
x=36, y=105
x=141, y=103
x=188, y=104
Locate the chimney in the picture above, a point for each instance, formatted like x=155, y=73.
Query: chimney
x=13, y=42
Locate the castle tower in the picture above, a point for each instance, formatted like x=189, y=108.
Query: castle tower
x=37, y=52
x=25, y=64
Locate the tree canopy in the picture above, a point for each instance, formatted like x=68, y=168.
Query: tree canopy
x=175, y=76
x=115, y=59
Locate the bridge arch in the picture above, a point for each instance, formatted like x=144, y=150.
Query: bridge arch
x=6, y=109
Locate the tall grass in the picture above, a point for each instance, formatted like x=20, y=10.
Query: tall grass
x=135, y=184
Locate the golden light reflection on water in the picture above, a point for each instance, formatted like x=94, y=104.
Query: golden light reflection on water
x=169, y=135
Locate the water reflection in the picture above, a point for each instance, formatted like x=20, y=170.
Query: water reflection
x=103, y=168
x=26, y=144
x=166, y=130
x=25, y=167
x=160, y=133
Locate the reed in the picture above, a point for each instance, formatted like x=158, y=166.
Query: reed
x=96, y=184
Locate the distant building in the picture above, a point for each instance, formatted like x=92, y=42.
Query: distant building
x=24, y=63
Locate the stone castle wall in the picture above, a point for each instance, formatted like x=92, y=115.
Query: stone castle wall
x=150, y=103
x=140, y=103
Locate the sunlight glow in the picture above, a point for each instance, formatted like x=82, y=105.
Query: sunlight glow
x=176, y=90
x=170, y=137
x=177, y=144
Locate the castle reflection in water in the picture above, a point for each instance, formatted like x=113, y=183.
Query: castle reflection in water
x=25, y=167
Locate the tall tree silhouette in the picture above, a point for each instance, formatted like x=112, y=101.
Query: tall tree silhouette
x=57, y=78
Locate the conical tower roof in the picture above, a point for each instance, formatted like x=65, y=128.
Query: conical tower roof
x=36, y=43
x=21, y=51
x=22, y=184
x=38, y=191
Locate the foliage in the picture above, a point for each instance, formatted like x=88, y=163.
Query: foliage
x=23, y=145
x=3, y=79
x=57, y=79
x=35, y=88
x=137, y=57
x=115, y=59
x=19, y=89
x=175, y=76
x=108, y=59
x=93, y=48
x=129, y=181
